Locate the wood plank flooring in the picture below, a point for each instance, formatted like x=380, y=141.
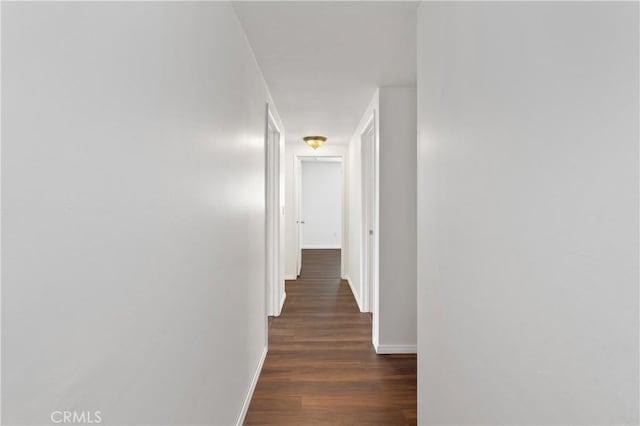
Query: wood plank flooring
x=321, y=368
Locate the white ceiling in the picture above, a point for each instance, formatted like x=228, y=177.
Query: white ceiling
x=323, y=60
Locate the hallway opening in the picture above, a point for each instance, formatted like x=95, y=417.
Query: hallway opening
x=317, y=184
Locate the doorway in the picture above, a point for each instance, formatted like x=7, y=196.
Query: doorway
x=319, y=205
x=274, y=282
x=369, y=229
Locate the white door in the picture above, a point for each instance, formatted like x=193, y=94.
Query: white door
x=368, y=222
x=322, y=202
x=272, y=217
x=299, y=220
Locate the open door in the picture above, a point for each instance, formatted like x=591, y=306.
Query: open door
x=369, y=225
x=272, y=193
x=368, y=220
x=299, y=220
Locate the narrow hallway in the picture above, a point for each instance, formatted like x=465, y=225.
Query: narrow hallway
x=321, y=367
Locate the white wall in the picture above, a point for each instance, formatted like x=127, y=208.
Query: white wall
x=528, y=213
x=322, y=183
x=301, y=149
x=397, y=220
x=133, y=212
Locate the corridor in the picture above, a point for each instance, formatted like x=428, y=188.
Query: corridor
x=321, y=367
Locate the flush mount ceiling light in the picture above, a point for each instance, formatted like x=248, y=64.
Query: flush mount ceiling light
x=314, y=142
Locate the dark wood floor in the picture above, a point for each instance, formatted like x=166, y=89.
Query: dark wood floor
x=321, y=368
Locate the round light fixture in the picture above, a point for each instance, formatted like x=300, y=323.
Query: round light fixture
x=315, y=142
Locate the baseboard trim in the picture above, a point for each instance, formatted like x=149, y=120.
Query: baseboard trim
x=320, y=247
x=252, y=388
x=284, y=297
x=396, y=349
x=290, y=277
x=353, y=291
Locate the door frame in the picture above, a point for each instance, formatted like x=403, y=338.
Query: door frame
x=274, y=215
x=369, y=266
x=297, y=175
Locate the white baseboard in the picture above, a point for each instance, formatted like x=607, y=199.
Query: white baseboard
x=252, y=387
x=396, y=349
x=282, y=299
x=290, y=277
x=354, y=292
x=321, y=246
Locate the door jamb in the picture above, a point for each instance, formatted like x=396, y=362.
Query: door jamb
x=371, y=289
x=273, y=222
x=297, y=172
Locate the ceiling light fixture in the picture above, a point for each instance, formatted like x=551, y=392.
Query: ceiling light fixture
x=315, y=142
